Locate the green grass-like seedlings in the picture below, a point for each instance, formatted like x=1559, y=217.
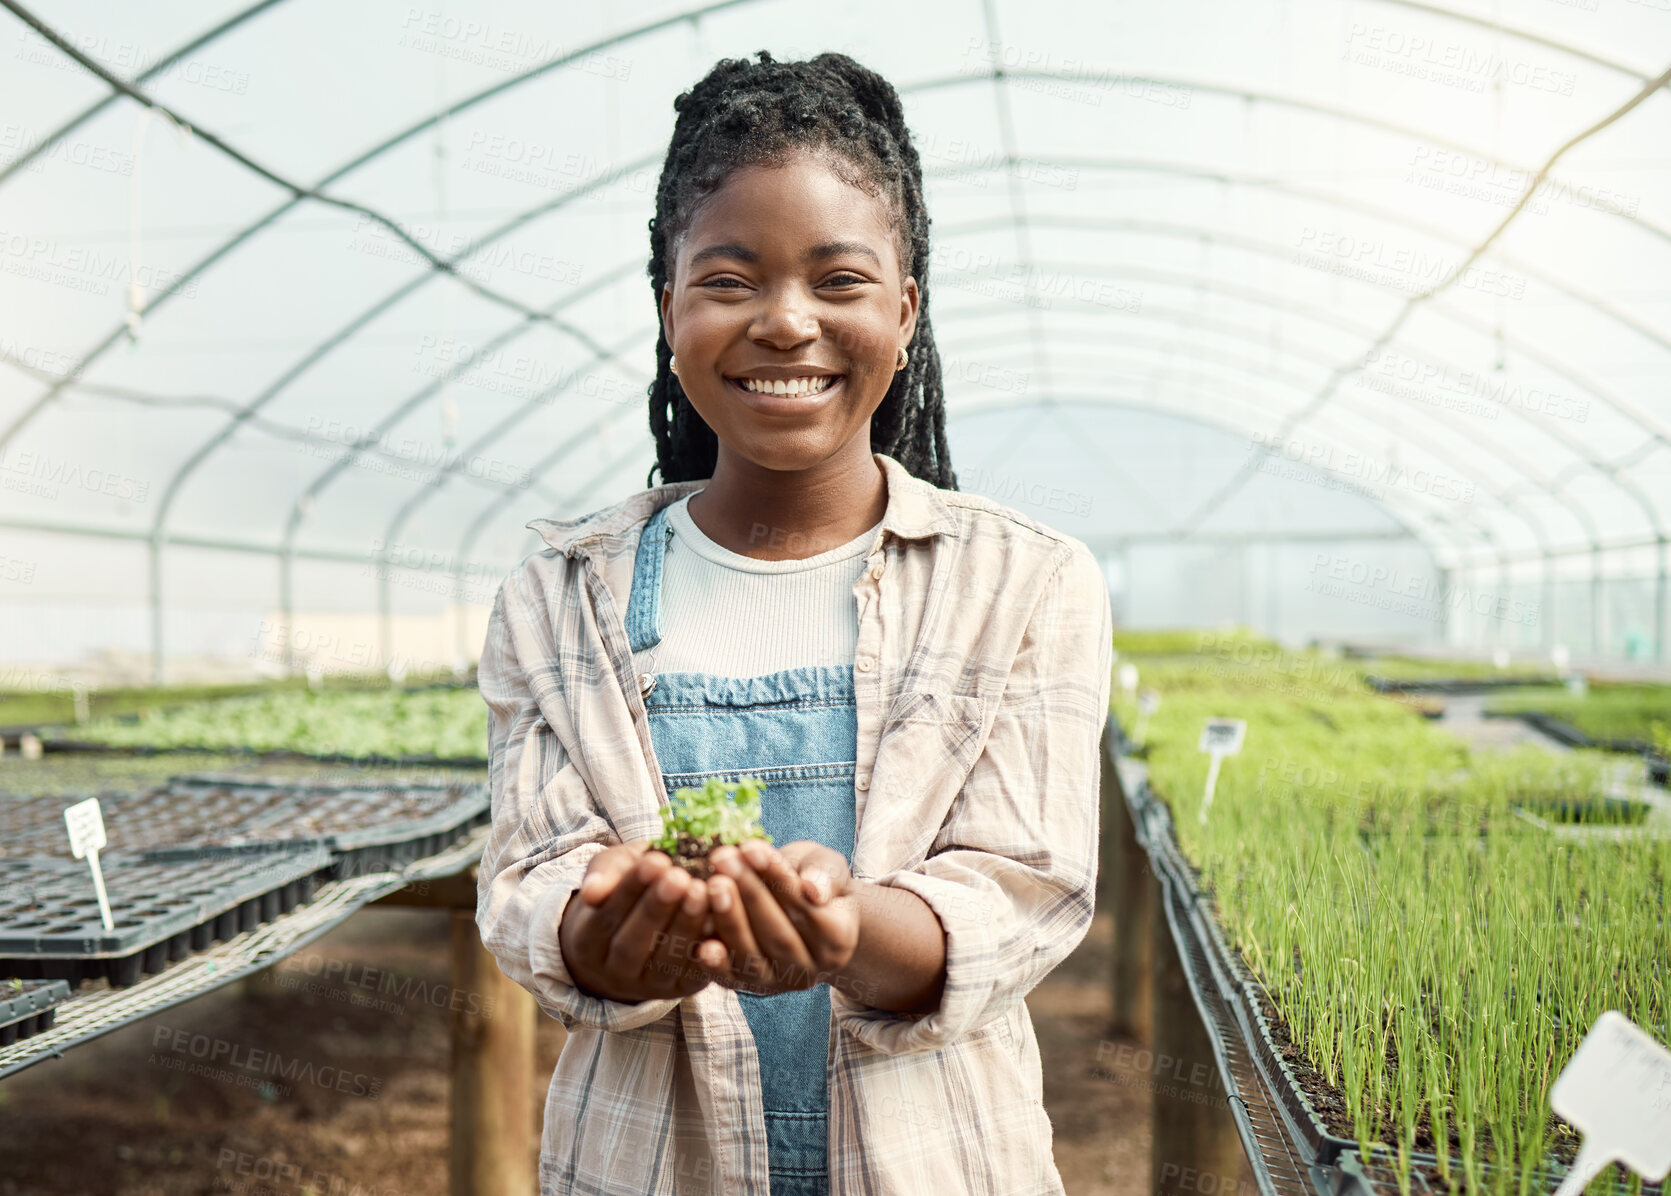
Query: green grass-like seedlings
x=698, y=820
x=1434, y=956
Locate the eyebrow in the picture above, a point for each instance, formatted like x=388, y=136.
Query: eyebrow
x=820, y=252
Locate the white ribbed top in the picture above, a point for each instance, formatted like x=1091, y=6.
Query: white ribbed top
x=738, y=616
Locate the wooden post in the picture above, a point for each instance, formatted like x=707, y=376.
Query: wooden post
x=1130, y=887
x=493, y=1072
x=1194, y=1142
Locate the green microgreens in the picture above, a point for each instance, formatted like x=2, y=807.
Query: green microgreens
x=719, y=812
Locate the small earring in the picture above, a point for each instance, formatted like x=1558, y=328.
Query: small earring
x=904, y=357
x=673, y=363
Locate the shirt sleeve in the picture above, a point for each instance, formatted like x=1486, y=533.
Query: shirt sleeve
x=1011, y=874
x=546, y=824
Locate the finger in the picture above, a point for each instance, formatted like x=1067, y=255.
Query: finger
x=596, y=927
x=632, y=945
x=824, y=875
x=733, y=951
x=607, y=869
x=780, y=879
x=780, y=942
x=675, y=956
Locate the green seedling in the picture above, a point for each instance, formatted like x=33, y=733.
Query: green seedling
x=698, y=820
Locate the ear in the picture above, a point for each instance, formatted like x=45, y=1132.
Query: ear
x=909, y=299
x=666, y=311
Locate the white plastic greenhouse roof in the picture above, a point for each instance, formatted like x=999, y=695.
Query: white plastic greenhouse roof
x=311, y=279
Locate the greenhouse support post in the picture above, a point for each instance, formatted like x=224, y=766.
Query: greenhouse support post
x=492, y=1027
x=492, y=1082
x=1659, y=602
x=1129, y=887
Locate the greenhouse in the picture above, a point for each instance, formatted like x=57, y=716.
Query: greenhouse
x=1306, y=364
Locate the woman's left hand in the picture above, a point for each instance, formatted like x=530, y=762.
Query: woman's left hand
x=785, y=918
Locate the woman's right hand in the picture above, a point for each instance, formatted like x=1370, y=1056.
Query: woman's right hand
x=631, y=930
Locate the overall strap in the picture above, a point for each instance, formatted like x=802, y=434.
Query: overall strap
x=644, y=603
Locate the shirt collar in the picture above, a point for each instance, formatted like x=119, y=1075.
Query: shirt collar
x=915, y=509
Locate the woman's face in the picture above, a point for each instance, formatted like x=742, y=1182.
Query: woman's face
x=788, y=273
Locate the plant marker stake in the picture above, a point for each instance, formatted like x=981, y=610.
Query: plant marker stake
x=1147, y=703
x=1222, y=737
x=1616, y=1091
x=1128, y=678
x=86, y=827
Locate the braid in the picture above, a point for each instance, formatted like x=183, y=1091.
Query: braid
x=747, y=113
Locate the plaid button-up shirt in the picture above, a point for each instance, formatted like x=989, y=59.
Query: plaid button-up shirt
x=982, y=685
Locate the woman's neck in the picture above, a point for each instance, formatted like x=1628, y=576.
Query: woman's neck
x=774, y=515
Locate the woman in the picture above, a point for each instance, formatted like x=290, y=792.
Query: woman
x=920, y=678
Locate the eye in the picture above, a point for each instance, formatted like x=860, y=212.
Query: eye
x=852, y=278
x=714, y=282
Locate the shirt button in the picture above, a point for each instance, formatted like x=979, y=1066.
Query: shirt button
x=863, y=781
x=876, y=569
x=865, y=663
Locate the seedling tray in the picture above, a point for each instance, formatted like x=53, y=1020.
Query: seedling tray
x=365, y=828
x=1454, y=685
x=209, y=816
x=49, y=744
x=26, y=1007
x=137, y=820
x=1336, y=1165
x=50, y=927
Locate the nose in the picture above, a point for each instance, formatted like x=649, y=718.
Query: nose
x=784, y=318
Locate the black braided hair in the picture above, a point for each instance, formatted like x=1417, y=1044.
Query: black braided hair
x=757, y=113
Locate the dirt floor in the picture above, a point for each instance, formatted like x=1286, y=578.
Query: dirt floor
x=367, y=1115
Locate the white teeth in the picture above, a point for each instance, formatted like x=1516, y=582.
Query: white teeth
x=795, y=386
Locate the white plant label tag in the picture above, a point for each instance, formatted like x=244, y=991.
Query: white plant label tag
x=1616, y=1091
x=1148, y=701
x=1128, y=677
x=86, y=826
x=1222, y=737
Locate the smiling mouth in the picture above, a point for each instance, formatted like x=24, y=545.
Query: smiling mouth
x=821, y=385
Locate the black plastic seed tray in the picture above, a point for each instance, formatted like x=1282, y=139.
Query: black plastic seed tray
x=366, y=828
x=50, y=927
x=26, y=1007
x=1454, y=685
x=136, y=820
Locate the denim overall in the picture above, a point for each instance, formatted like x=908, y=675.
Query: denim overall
x=796, y=730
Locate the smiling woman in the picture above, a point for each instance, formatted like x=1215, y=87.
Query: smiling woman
x=917, y=677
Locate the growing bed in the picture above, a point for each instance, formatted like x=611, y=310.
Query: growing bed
x=1424, y=956
x=440, y=724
